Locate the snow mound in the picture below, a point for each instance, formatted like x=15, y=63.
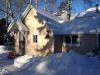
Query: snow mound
x=21, y=61
x=59, y=64
x=3, y=52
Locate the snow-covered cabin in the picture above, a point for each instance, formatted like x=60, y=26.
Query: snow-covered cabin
x=40, y=33
x=33, y=32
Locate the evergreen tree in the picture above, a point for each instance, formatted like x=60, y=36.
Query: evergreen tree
x=3, y=31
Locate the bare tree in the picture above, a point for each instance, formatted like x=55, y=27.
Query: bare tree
x=19, y=5
x=51, y=6
x=36, y=3
x=68, y=9
x=45, y=2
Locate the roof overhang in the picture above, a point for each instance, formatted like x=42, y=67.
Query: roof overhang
x=18, y=25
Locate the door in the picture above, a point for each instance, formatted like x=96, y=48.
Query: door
x=21, y=44
x=57, y=43
x=99, y=41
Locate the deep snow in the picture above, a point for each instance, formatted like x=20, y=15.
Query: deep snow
x=6, y=65
x=64, y=63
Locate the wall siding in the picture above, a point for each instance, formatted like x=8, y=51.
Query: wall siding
x=88, y=41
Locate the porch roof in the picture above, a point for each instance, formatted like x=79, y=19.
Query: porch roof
x=18, y=25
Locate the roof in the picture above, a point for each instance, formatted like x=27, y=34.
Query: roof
x=44, y=15
x=89, y=25
x=84, y=23
x=87, y=22
x=18, y=25
x=52, y=21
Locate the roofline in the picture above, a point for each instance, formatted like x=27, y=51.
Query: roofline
x=22, y=17
x=10, y=26
x=26, y=12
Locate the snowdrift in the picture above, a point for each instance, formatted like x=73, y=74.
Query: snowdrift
x=58, y=64
x=3, y=52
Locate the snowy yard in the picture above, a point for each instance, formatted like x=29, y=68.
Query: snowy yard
x=64, y=63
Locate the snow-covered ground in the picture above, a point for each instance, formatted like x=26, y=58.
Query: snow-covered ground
x=6, y=65
x=64, y=63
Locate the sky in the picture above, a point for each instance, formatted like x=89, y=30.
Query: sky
x=77, y=5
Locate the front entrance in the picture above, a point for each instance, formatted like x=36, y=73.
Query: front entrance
x=57, y=43
x=21, y=44
x=99, y=41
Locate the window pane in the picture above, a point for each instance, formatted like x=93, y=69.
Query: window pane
x=74, y=38
x=68, y=39
x=35, y=38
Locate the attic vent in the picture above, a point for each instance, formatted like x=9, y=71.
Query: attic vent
x=97, y=11
x=48, y=33
x=47, y=36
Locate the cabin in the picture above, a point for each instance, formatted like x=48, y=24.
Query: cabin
x=39, y=33
x=33, y=33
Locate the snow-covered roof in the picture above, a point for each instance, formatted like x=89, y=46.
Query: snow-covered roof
x=87, y=22
x=84, y=23
x=52, y=21
x=44, y=15
x=18, y=25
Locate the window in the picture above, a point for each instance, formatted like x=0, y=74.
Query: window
x=72, y=39
x=35, y=38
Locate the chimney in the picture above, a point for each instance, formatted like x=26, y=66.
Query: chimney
x=97, y=11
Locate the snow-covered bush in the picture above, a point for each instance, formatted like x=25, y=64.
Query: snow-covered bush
x=94, y=52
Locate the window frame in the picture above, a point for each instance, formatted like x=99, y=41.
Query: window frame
x=35, y=38
x=71, y=42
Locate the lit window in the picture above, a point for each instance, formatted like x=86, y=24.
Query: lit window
x=35, y=38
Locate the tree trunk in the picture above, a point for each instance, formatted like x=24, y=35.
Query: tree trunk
x=31, y=2
x=68, y=9
x=10, y=9
x=36, y=3
x=45, y=5
x=6, y=15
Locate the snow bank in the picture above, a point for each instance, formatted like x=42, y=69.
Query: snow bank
x=59, y=64
x=3, y=52
x=21, y=61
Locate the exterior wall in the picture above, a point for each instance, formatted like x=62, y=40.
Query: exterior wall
x=57, y=43
x=36, y=26
x=87, y=42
